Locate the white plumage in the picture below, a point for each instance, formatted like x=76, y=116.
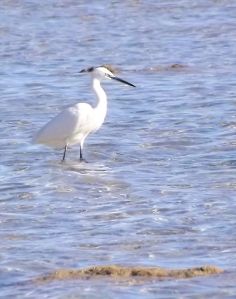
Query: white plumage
x=75, y=123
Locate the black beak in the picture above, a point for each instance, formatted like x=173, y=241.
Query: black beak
x=121, y=80
x=83, y=71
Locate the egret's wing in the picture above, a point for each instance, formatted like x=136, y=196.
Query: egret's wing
x=61, y=128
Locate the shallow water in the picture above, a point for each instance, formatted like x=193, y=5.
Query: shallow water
x=160, y=185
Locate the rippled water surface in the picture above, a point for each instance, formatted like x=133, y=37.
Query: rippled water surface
x=160, y=185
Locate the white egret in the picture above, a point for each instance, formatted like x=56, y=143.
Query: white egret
x=76, y=122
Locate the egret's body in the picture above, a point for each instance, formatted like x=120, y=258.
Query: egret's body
x=75, y=123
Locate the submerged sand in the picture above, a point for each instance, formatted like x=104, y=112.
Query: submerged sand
x=122, y=272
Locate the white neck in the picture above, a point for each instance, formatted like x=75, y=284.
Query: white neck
x=101, y=107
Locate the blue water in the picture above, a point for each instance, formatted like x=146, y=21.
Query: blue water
x=160, y=185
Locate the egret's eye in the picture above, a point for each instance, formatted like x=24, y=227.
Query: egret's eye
x=108, y=76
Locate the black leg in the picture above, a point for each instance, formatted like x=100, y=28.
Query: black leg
x=64, y=154
x=80, y=154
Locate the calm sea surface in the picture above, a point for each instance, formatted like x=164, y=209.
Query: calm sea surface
x=160, y=185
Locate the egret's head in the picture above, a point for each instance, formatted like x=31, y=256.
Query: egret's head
x=104, y=72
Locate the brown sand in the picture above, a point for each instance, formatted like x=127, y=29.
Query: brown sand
x=163, y=68
x=120, y=272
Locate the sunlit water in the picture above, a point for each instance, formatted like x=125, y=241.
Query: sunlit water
x=160, y=185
